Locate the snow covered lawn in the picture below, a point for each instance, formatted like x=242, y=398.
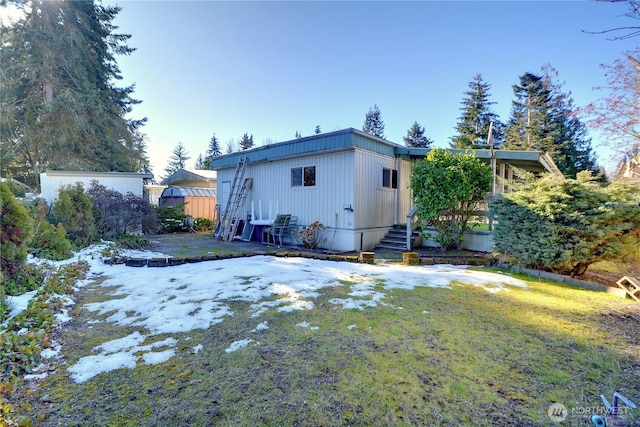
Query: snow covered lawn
x=295, y=341
x=179, y=299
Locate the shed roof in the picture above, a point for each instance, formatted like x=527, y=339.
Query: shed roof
x=85, y=174
x=203, y=175
x=175, y=191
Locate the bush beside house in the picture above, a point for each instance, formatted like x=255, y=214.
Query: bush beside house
x=448, y=189
x=564, y=225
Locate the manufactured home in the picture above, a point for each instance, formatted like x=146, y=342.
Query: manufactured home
x=355, y=184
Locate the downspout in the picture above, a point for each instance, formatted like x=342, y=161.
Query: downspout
x=397, y=195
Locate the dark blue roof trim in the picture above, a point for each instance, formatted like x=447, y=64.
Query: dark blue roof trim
x=340, y=140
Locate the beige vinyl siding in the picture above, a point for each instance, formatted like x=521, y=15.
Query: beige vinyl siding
x=375, y=205
x=333, y=190
x=405, y=202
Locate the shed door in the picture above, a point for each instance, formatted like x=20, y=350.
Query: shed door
x=224, y=195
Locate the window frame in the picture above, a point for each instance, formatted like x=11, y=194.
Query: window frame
x=305, y=176
x=391, y=178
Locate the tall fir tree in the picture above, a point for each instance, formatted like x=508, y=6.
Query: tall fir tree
x=231, y=146
x=61, y=106
x=572, y=151
x=477, y=117
x=373, y=124
x=246, y=142
x=415, y=137
x=543, y=117
x=200, y=163
x=213, y=150
x=530, y=125
x=177, y=161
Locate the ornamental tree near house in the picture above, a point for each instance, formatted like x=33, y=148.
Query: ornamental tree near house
x=447, y=189
x=564, y=225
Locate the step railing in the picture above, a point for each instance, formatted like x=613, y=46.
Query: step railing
x=412, y=224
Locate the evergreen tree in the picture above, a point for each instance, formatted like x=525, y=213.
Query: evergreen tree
x=200, y=163
x=473, y=125
x=231, y=146
x=60, y=106
x=246, y=142
x=572, y=150
x=212, y=151
x=178, y=160
x=317, y=130
x=530, y=125
x=415, y=137
x=543, y=118
x=75, y=211
x=16, y=234
x=373, y=124
x=565, y=224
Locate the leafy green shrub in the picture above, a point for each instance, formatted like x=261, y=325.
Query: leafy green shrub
x=74, y=210
x=20, y=352
x=448, y=189
x=15, y=233
x=29, y=278
x=202, y=224
x=17, y=189
x=49, y=241
x=565, y=225
x=4, y=307
x=172, y=218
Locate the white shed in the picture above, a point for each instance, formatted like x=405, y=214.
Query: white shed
x=122, y=182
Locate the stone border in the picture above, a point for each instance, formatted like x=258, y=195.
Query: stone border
x=566, y=279
x=172, y=261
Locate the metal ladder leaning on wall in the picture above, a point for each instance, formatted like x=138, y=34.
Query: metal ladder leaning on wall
x=230, y=219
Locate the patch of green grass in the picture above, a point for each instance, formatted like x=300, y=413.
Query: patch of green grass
x=459, y=356
x=609, y=266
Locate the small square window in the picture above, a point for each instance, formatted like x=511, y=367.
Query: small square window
x=389, y=178
x=303, y=177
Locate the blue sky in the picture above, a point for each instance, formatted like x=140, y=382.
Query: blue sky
x=274, y=68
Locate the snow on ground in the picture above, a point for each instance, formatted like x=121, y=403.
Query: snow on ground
x=179, y=299
x=18, y=304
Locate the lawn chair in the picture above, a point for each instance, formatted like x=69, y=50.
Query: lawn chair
x=282, y=228
x=273, y=230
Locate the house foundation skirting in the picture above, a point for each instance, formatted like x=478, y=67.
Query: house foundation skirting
x=481, y=241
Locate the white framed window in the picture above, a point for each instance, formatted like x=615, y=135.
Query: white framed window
x=303, y=176
x=389, y=178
